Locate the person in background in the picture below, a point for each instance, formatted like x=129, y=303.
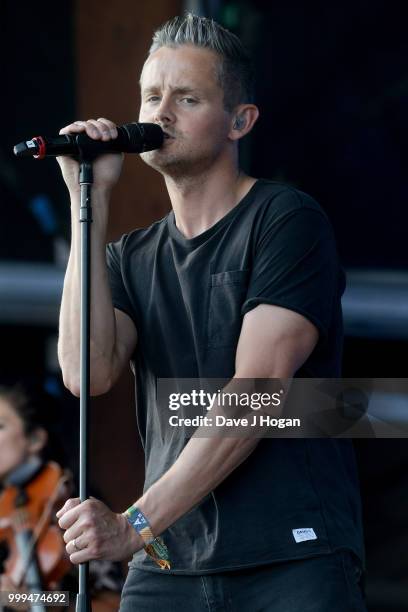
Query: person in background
x=32, y=486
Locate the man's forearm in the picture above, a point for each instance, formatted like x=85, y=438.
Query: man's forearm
x=102, y=314
x=203, y=464
x=209, y=456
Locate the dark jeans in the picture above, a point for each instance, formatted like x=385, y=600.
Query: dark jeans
x=329, y=583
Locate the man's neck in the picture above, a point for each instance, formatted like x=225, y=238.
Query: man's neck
x=199, y=202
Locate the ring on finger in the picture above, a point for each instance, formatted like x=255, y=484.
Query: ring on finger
x=74, y=544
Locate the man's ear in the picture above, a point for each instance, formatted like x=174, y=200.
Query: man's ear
x=37, y=440
x=243, y=119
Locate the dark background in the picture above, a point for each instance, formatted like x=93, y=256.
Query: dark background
x=332, y=86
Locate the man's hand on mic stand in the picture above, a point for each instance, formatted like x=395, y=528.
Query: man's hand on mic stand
x=93, y=531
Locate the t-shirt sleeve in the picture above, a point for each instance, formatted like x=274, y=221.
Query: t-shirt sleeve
x=120, y=297
x=296, y=266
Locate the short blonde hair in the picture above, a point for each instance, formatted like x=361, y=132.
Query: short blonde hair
x=235, y=74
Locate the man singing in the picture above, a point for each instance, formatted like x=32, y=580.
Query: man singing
x=240, y=280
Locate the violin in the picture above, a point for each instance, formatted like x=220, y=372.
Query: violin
x=37, y=559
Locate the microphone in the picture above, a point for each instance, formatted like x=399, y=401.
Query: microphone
x=132, y=138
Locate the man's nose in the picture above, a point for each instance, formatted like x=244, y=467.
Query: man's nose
x=164, y=112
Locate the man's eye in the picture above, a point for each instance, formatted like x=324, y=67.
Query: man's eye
x=152, y=98
x=189, y=100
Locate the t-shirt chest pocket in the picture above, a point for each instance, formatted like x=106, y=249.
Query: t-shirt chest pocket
x=227, y=294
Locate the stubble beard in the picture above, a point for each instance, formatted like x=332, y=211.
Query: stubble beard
x=165, y=163
x=179, y=164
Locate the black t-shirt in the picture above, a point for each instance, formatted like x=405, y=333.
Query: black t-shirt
x=187, y=298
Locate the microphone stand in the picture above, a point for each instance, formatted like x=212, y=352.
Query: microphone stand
x=83, y=602
x=149, y=137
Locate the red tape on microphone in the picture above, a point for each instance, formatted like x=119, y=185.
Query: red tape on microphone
x=42, y=148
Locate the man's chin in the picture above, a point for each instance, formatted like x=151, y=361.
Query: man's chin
x=163, y=162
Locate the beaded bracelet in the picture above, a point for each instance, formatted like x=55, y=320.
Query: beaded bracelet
x=155, y=547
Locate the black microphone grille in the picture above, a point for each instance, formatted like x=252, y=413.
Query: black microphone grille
x=144, y=136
